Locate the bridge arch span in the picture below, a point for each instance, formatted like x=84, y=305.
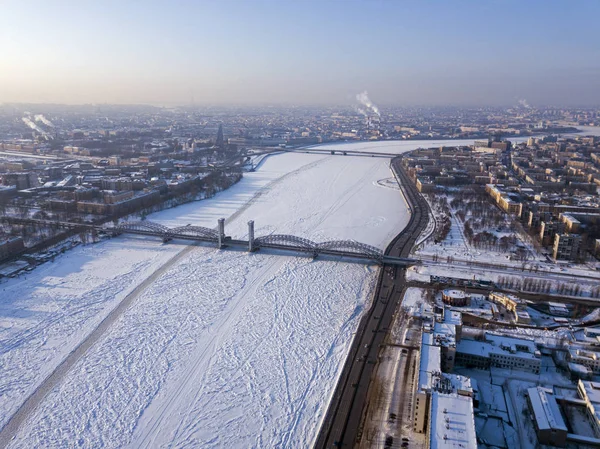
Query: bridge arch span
x=194, y=231
x=285, y=240
x=353, y=247
x=147, y=226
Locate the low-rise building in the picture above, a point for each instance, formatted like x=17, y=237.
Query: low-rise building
x=512, y=304
x=509, y=302
x=590, y=393
x=499, y=351
x=425, y=185
x=455, y=297
x=504, y=201
x=584, y=357
x=547, y=419
x=558, y=309
x=429, y=366
x=452, y=422
x=10, y=247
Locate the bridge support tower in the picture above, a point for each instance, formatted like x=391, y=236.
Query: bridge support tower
x=221, y=231
x=251, y=236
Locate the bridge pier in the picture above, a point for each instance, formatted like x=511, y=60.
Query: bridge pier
x=251, y=236
x=221, y=231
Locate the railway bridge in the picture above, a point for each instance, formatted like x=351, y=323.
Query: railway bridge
x=281, y=242
x=290, y=244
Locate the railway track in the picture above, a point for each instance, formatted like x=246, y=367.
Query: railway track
x=341, y=424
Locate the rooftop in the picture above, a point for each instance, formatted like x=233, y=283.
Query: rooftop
x=592, y=390
x=430, y=361
x=452, y=317
x=545, y=409
x=496, y=344
x=454, y=293
x=452, y=422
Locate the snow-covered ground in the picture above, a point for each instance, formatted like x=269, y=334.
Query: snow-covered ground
x=224, y=348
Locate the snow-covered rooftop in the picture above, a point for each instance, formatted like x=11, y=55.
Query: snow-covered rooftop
x=452, y=317
x=460, y=383
x=592, y=390
x=453, y=383
x=579, y=369
x=499, y=344
x=452, y=422
x=444, y=334
x=454, y=293
x=580, y=354
x=430, y=361
x=545, y=409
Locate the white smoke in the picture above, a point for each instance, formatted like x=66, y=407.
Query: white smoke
x=35, y=127
x=44, y=120
x=523, y=103
x=32, y=125
x=361, y=111
x=363, y=98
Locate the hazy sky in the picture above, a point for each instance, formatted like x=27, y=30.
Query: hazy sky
x=308, y=52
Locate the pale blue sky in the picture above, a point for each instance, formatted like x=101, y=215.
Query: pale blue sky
x=266, y=51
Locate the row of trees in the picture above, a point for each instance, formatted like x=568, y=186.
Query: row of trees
x=537, y=285
x=441, y=212
x=36, y=234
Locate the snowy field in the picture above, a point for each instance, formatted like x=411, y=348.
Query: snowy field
x=224, y=348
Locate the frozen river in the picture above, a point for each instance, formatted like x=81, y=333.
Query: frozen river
x=224, y=348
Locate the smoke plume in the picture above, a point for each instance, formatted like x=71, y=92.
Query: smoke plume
x=363, y=98
x=523, y=103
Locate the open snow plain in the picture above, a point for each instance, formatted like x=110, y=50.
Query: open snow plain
x=225, y=348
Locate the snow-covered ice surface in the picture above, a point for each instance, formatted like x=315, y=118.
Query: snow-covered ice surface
x=46, y=313
x=226, y=348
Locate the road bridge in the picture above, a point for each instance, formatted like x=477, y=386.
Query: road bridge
x=331, y=151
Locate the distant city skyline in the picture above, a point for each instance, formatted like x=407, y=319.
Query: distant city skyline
x=404, y=53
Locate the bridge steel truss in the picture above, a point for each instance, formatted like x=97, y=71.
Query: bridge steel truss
x=341, y=247
x=293, y=243
x=181, y=232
